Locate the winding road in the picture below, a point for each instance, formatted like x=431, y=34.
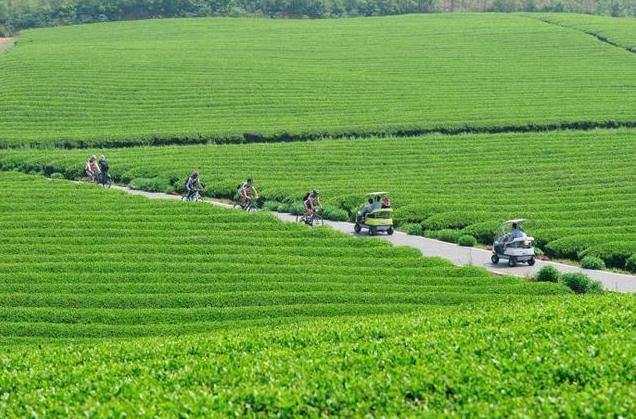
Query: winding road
x=452, y=252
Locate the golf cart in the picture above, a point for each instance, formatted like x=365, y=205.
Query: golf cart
x=517, y=247
x=376, y=220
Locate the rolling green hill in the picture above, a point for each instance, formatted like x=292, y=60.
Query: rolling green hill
x=576, y=188
x=566, y=357
x=194, y=80
x=78, y=262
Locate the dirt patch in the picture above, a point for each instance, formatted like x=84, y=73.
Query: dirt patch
x=6, y=43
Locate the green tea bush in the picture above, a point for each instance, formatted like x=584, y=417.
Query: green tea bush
x=547, y=274
x=631, y=263
x=592, y=262
x=57, y=175
x=271, y=205
x=580, y=283
x=151, y=185
x=446, y=235
x=333, y=213
x=483, y=232
x=466, y=240
x=413, y=229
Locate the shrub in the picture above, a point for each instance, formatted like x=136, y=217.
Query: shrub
x=483, y=232
x=631, y=263
x=57, y=175
x=467, y=241
x=592, y=262
x=151, y=184
x=580, y=283
x=451, y=236
x=547, y=274
x=271, y=205
x=297, y=208
x=333, y=213
x=412, y=229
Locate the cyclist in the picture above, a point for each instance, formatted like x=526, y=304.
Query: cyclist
x=311, y=201
x=193, y=186
x=92, y=168
x=247, y=191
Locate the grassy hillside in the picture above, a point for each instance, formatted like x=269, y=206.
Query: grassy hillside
x=78, y=262
x=567, y=357
x=201, y=79
x=577, y=188
x=621, y=32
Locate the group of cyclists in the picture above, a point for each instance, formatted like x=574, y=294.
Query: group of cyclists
x=246, y=194
x=97, y=169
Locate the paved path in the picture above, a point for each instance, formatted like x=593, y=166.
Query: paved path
x=456, y=254
x=6, y=43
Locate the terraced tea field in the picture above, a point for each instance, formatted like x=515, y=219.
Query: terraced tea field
x=114, y=305
x=78, y=262
x=194, y=80
x=621, y=32
x=568, y=357
x=577, y=206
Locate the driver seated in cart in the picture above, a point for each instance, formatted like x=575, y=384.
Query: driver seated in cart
x=516, y=233
x=364, y=211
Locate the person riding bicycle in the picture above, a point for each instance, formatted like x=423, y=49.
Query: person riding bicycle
x=92, y=168
x=311, y=201
x=193, y=185
x=247, y=191
x=102, y=163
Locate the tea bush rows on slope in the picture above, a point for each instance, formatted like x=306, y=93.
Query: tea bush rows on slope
x=468, y=182
x=566, y=357
x=80, y=262
x=184, y=80
x=621, y=32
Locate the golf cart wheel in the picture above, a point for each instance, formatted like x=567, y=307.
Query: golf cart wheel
x=357, y=228
x=372, y=231
x=531, y=262
x=512, y=262
x=390, y=231
x=494, y=259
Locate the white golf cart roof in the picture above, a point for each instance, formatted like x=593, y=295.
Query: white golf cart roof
x=517, y=221
x=377, y=193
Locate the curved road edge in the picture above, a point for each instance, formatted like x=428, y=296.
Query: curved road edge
x=435, y=248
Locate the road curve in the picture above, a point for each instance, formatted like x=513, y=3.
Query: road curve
x=452, y=252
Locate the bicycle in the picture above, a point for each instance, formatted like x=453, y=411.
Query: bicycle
x=195, y=197
x=315, y=218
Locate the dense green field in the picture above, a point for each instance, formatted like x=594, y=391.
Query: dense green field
x=78, y=262
x=202, y=79
x=568, y=357
x=621, y=32
x=576, y=205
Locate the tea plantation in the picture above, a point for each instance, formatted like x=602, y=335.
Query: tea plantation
x=577, y=206
x=78, y=262
x=194, y=80
x=117, y=305
x=566, y=357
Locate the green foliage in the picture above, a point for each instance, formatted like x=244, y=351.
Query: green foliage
x=333, y=213
x=580, y=283
x=565, y=221
x=631, y=263
x=94, y=264
x=236, y=103
x=412, y=228
x=592, y=262
x=151, y=184
x=57, y=175
x=547, y=274
x=564, y=357
x=466, y=240
x=447, y=235
x=271, y=205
